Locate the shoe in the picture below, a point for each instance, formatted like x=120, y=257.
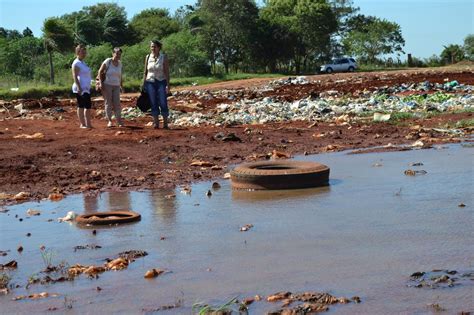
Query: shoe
x=83, y=127
x=110, y=124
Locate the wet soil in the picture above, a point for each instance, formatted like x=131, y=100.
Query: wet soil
x=69, y=159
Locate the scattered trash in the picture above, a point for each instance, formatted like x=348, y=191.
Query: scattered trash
x=37, y=135
x=21, y=196
x=379, y=117
x=88, y=246
x=440, y=278
x=216, y=186
x=209, y=193
x=308, y=302
x=418, y=144
x=35, y=296
x=416, y=164
x=33, y=212
x=153, y=273
x=279, y=155
x=70, y=216
x=415, y=172
x=202, y=163
x=55, y=196
x=9, y=265
x=461, y=205
x=186, y=190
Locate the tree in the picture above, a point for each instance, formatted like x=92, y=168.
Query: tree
x=469, y=47
x=154, y=23
x=371, y=37
x=452, y=54
x=185, y=55
x=100, y=23
x=308, y=24
x=9, y=34
x=27, y=32
x=226, y=29
x=19, y=56
x=56, y=37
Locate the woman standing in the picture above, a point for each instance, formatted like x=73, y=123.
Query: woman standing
x=111, y=87
x=156, y=83
x=81, y=74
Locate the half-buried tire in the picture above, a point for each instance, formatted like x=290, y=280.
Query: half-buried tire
x=279, y=175
x=109, y=217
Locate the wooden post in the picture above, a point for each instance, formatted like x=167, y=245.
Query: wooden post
x=410, y=60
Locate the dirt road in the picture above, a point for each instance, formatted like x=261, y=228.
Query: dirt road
x=70, y=160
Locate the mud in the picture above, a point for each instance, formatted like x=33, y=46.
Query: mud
x=60, y=158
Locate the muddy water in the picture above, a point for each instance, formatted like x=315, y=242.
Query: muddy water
x=363, y=235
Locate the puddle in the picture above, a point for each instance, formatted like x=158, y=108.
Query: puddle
x=363, y=235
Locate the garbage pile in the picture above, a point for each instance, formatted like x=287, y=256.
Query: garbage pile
x=421, y=97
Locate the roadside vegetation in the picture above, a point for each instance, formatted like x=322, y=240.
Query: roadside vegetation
x=210, y=41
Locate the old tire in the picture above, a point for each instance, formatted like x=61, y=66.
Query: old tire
x=109, y=217
x=279, y=175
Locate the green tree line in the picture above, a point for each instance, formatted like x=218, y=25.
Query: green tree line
x=209, y=37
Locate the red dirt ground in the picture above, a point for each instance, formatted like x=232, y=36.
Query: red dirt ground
x=70, y=160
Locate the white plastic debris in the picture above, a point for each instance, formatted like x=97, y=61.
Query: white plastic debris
x=70, y=216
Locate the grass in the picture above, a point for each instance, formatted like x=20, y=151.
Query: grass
x=30, y=89
x=4, y=280
x=228, y=307
x=463, y=123
x=373, y=68
x=47, y=256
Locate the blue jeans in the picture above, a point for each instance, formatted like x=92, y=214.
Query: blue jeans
x=157, y=92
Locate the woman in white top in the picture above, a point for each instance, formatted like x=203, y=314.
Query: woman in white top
x=81, y=74
x=156, y=83
x=112, y=85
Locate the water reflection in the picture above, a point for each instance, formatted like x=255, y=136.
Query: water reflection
x=164, y=205
x=91, y=203
x=264, y=195
x=119, y=200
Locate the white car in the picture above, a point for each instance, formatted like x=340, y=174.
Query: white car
x=340, y=65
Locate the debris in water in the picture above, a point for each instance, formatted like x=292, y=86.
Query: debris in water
x=153, y=273
x=246, y=227
x=71, y=216
x=32, y=212
x=415, y=172
x=9, y=265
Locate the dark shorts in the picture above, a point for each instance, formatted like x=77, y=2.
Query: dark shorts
x=84, y=100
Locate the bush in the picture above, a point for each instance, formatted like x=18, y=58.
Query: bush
x=96, y=55
x=133, y=60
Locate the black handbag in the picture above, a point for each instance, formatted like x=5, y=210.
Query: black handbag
x=143, y=102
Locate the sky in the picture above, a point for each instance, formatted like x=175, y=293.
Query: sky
x=426, y=25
